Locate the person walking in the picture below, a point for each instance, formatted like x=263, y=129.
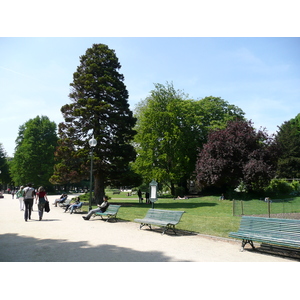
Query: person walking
x=140, y=196
x=20, y=197
x=41, y=197
x=29, y=194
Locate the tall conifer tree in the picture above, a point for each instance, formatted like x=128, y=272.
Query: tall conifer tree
x=99, y=108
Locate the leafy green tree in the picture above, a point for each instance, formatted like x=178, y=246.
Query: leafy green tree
x=34, y=156
x=288, y=138
x=170, y=128
x=4, y=168
x=99, y=108
x=237, y=154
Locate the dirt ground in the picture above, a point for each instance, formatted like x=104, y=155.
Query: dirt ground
x=64, y=237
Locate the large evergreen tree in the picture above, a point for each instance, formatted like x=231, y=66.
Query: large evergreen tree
x=288, y=138
x=34, y=156
x=99, y=108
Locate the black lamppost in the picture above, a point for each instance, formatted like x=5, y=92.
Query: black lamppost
x=92, y=143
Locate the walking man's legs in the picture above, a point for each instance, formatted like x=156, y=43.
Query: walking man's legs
x=28, y=207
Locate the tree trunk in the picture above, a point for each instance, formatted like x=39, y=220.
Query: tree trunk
x=172, y=188
x=99, y=187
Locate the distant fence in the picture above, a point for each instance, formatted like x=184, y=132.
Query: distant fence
x=278, y=208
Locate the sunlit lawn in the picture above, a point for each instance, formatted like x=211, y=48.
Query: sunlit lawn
x=205, y=215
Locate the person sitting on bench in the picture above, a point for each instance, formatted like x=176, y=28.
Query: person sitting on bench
x=62, y=199
x=101, y=208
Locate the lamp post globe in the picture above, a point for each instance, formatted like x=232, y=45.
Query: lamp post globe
x=93, y=142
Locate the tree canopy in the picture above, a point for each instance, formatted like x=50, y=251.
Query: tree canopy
x=99, y=108
x=170, y=128
x=237, y=154
x=34, y=156
x=4, y=168
x=288, y=138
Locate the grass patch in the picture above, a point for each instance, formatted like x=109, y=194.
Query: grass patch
x=205, y=215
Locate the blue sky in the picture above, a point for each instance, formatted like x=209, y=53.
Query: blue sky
x=259, y=75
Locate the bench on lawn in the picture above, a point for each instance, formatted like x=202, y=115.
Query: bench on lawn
x=116, y=192
x=159, y=217
x=110, y=213
x=279, y=232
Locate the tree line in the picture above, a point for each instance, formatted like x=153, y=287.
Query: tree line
x=169, y=137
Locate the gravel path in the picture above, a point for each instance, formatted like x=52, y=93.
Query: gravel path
x=62, y=237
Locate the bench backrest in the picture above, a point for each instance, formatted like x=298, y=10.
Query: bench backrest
x=79, y=205
x=112, y=208
x=271, y=226
x=172, y=216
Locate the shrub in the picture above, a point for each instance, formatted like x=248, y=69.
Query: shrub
x=279, y=186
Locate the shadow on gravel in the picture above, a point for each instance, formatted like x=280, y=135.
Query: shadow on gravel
x=170, y=232
x=15, y=248
x=276, y=251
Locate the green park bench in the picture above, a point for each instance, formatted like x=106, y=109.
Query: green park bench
x=110, y=213
x=278, y=232
x=164, y=218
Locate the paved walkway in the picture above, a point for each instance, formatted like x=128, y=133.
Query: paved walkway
x=62, y=237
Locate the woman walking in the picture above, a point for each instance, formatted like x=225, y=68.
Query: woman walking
x=20, y=197
x=41, y=197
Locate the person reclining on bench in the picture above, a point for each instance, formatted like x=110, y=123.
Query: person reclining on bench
x=101, y=208
x=62, y=199
x=74, y=205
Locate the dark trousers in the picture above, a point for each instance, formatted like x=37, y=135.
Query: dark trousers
x=28, y=208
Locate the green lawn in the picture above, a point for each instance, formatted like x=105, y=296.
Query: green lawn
x=205, y=215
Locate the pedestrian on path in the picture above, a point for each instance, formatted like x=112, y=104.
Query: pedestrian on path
x=20, y=197
x=41, y=197
x=29, y=194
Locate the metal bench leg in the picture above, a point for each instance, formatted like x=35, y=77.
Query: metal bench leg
x=244, y=242
x=142, y=225
x=110, y=217
x=166, y=228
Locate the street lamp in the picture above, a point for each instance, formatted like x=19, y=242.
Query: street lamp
x=92, y=143
x=153, y=191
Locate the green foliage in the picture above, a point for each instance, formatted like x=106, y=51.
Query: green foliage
x=4, y=168
x=34, y=156
x=279, y=187
x=179, y=191
x=296, y=186
x=99, y=108
x=288, y=138
x=170, y=129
